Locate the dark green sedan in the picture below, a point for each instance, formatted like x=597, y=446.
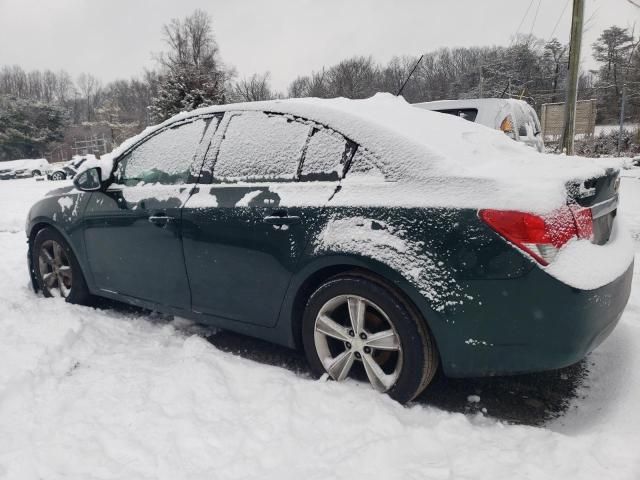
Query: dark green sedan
x=386, y=241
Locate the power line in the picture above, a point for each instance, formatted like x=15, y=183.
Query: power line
x=535, y=17
x=524, y=17
x=558, y=22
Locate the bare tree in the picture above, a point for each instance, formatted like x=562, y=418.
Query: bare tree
x=192, y=73
x=89, y=87
x=314, y=85
x=353, y=78
x=253, y=89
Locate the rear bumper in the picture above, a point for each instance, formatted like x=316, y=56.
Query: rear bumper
x=529, y=324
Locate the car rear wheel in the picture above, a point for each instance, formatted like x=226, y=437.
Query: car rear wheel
x=56, y=268
x=58, y=176
x=357, y=328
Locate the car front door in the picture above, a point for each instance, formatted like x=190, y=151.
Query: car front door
x=132, y=231
x=245, y=231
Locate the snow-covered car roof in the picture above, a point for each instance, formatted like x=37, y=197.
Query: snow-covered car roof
x=421, y=147
x=411, y=141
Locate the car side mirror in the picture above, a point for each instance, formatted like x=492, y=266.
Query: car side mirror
x=89, y=180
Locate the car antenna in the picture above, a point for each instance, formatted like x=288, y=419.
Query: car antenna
x=409, y=76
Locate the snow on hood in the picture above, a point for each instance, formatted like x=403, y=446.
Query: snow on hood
x=415, y=146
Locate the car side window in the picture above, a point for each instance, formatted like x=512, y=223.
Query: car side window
x=327, y=155
x=259, y=147
x=165, y=158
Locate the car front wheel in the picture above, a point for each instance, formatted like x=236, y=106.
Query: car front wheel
x=58, y=176
x=56, y=268
x=354, y=327
x=36, y=173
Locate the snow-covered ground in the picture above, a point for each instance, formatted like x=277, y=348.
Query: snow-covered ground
x=614, y=128
x=114, y=393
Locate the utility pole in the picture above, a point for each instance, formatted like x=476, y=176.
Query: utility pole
x=572, y=81
x=622, y=102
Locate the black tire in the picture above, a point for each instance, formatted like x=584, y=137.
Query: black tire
x=420, y=359
x=36, y=173
x=78, y=291
x=58, y=176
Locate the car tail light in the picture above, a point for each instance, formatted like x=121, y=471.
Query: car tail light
x=507, y=126
x=540, y=236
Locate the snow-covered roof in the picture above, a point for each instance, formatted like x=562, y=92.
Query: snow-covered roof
x=404, y=136
x=418, y=146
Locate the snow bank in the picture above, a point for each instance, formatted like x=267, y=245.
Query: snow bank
x=16, y=198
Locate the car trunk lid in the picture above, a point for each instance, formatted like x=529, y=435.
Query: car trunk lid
x=598, y=198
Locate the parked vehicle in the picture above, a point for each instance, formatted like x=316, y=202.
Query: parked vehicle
x=31, y=167
x=68, y=169
x=382, y=239
x=516, y=118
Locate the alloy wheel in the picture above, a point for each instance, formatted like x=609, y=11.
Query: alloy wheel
x=55, y=268
x=57, y=176
x=349, y=330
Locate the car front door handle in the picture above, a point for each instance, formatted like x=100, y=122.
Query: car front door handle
x=282, y=219
x=160, y=220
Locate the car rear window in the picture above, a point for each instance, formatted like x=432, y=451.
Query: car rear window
x=466, y=113
x=260, y=146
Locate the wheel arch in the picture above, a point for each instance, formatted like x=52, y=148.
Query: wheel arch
x=321, y=270
x=36, y=226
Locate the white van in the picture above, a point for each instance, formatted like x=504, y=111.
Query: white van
x=516, y=118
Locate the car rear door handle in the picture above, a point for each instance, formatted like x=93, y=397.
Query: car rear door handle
x=160, y=220
x=282, y=219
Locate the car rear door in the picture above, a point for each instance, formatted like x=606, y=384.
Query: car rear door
x=132, y=231
x=245, y=231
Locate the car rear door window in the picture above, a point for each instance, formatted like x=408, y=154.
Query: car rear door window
x=166, y=157
x=258, y=147
x=326, y=155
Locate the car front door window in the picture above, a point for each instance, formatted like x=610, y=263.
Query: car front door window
x=165, y=158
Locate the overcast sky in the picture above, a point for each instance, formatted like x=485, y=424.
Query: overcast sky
x=117, y=38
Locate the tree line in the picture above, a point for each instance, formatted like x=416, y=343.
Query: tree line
x=39, y=109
